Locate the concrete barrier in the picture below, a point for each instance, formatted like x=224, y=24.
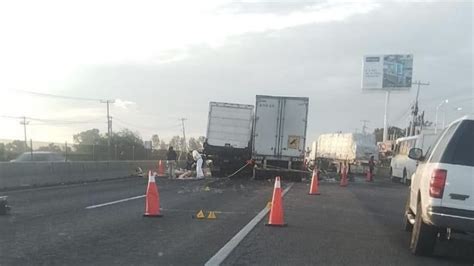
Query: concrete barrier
x=27, y=174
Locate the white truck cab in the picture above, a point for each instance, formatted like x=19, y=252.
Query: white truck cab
x=441, y=198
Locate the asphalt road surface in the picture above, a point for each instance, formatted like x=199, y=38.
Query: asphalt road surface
x=101, y=224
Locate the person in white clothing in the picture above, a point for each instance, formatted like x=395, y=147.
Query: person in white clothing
x=197, y=157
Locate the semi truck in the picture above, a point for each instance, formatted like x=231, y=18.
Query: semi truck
x=229, y=131
x=355, y=149
x=279, y=136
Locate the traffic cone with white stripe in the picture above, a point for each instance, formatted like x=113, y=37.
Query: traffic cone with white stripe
x=276, y=212
x=314, y=188
x=161, y=168
x=152, y=205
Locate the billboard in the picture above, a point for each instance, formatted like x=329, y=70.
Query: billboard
x=383, y=72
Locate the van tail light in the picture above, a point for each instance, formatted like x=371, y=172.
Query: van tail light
x=437, y=183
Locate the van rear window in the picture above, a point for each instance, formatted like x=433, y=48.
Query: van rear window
x=460, y=149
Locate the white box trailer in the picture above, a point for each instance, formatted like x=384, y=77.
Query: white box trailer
x=353, y=148
x=229, y=132
x=279, y=134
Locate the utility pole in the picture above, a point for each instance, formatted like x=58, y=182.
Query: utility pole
x=185, y=149
x=364, y=126
x=24, y=123
x=415, y=107
x=109, y=123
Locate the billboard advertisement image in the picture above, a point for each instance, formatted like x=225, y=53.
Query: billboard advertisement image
x=392, y=72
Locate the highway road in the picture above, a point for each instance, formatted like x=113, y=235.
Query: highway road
x=101, y=224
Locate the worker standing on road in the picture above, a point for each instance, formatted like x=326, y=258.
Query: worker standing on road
x=371, y=168
x=197, y=157
x=171, y=160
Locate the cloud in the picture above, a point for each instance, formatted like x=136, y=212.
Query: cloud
x=123, y=103
x=58, y=37
x=174, y=69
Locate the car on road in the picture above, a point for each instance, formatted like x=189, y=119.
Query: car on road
x=441, y=196
x=39, y=156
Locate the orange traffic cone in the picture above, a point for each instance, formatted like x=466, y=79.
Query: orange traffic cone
x=276, y=212
x=161, y=168
x=152, y=206
x=314, y=188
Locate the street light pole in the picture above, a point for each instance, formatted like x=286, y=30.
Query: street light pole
x=436, y=118
x=444, y=117
x=385, y=124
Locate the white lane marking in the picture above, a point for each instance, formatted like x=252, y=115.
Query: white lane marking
x=114, y=202
x=225, y=251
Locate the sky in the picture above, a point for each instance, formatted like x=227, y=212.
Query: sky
x=165, y=60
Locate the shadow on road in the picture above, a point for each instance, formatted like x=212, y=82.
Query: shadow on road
x=459, y=249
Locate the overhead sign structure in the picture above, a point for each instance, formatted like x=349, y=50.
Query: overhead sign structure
x=387, y=72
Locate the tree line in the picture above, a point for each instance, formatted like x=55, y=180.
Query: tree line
x=93, y=145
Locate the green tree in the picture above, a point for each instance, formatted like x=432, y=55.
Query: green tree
x=51, y=147
x=127, y=144
x=163, y=145
x=88, y=137
x=14, y=149
x=176, y=142
x=3, y=154
x=91, y=142
x=196, y=144
x=16, y=146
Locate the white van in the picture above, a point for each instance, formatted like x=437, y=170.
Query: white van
x=402, y=167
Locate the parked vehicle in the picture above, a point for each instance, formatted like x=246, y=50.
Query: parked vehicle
x=441, y=198
x=279, y=138
x=39, y=156
x=331, y=150
x=229, y=132
x=402, y=167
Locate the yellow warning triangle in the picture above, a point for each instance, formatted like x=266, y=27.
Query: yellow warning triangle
x=212, y=215
x=200, y=215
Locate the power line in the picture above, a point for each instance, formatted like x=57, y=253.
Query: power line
x=108, y=102
x=144, y=127
x=60, y=96
x=66, y=123
x=49, y=121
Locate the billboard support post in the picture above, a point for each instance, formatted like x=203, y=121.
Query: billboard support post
x=385, y=126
